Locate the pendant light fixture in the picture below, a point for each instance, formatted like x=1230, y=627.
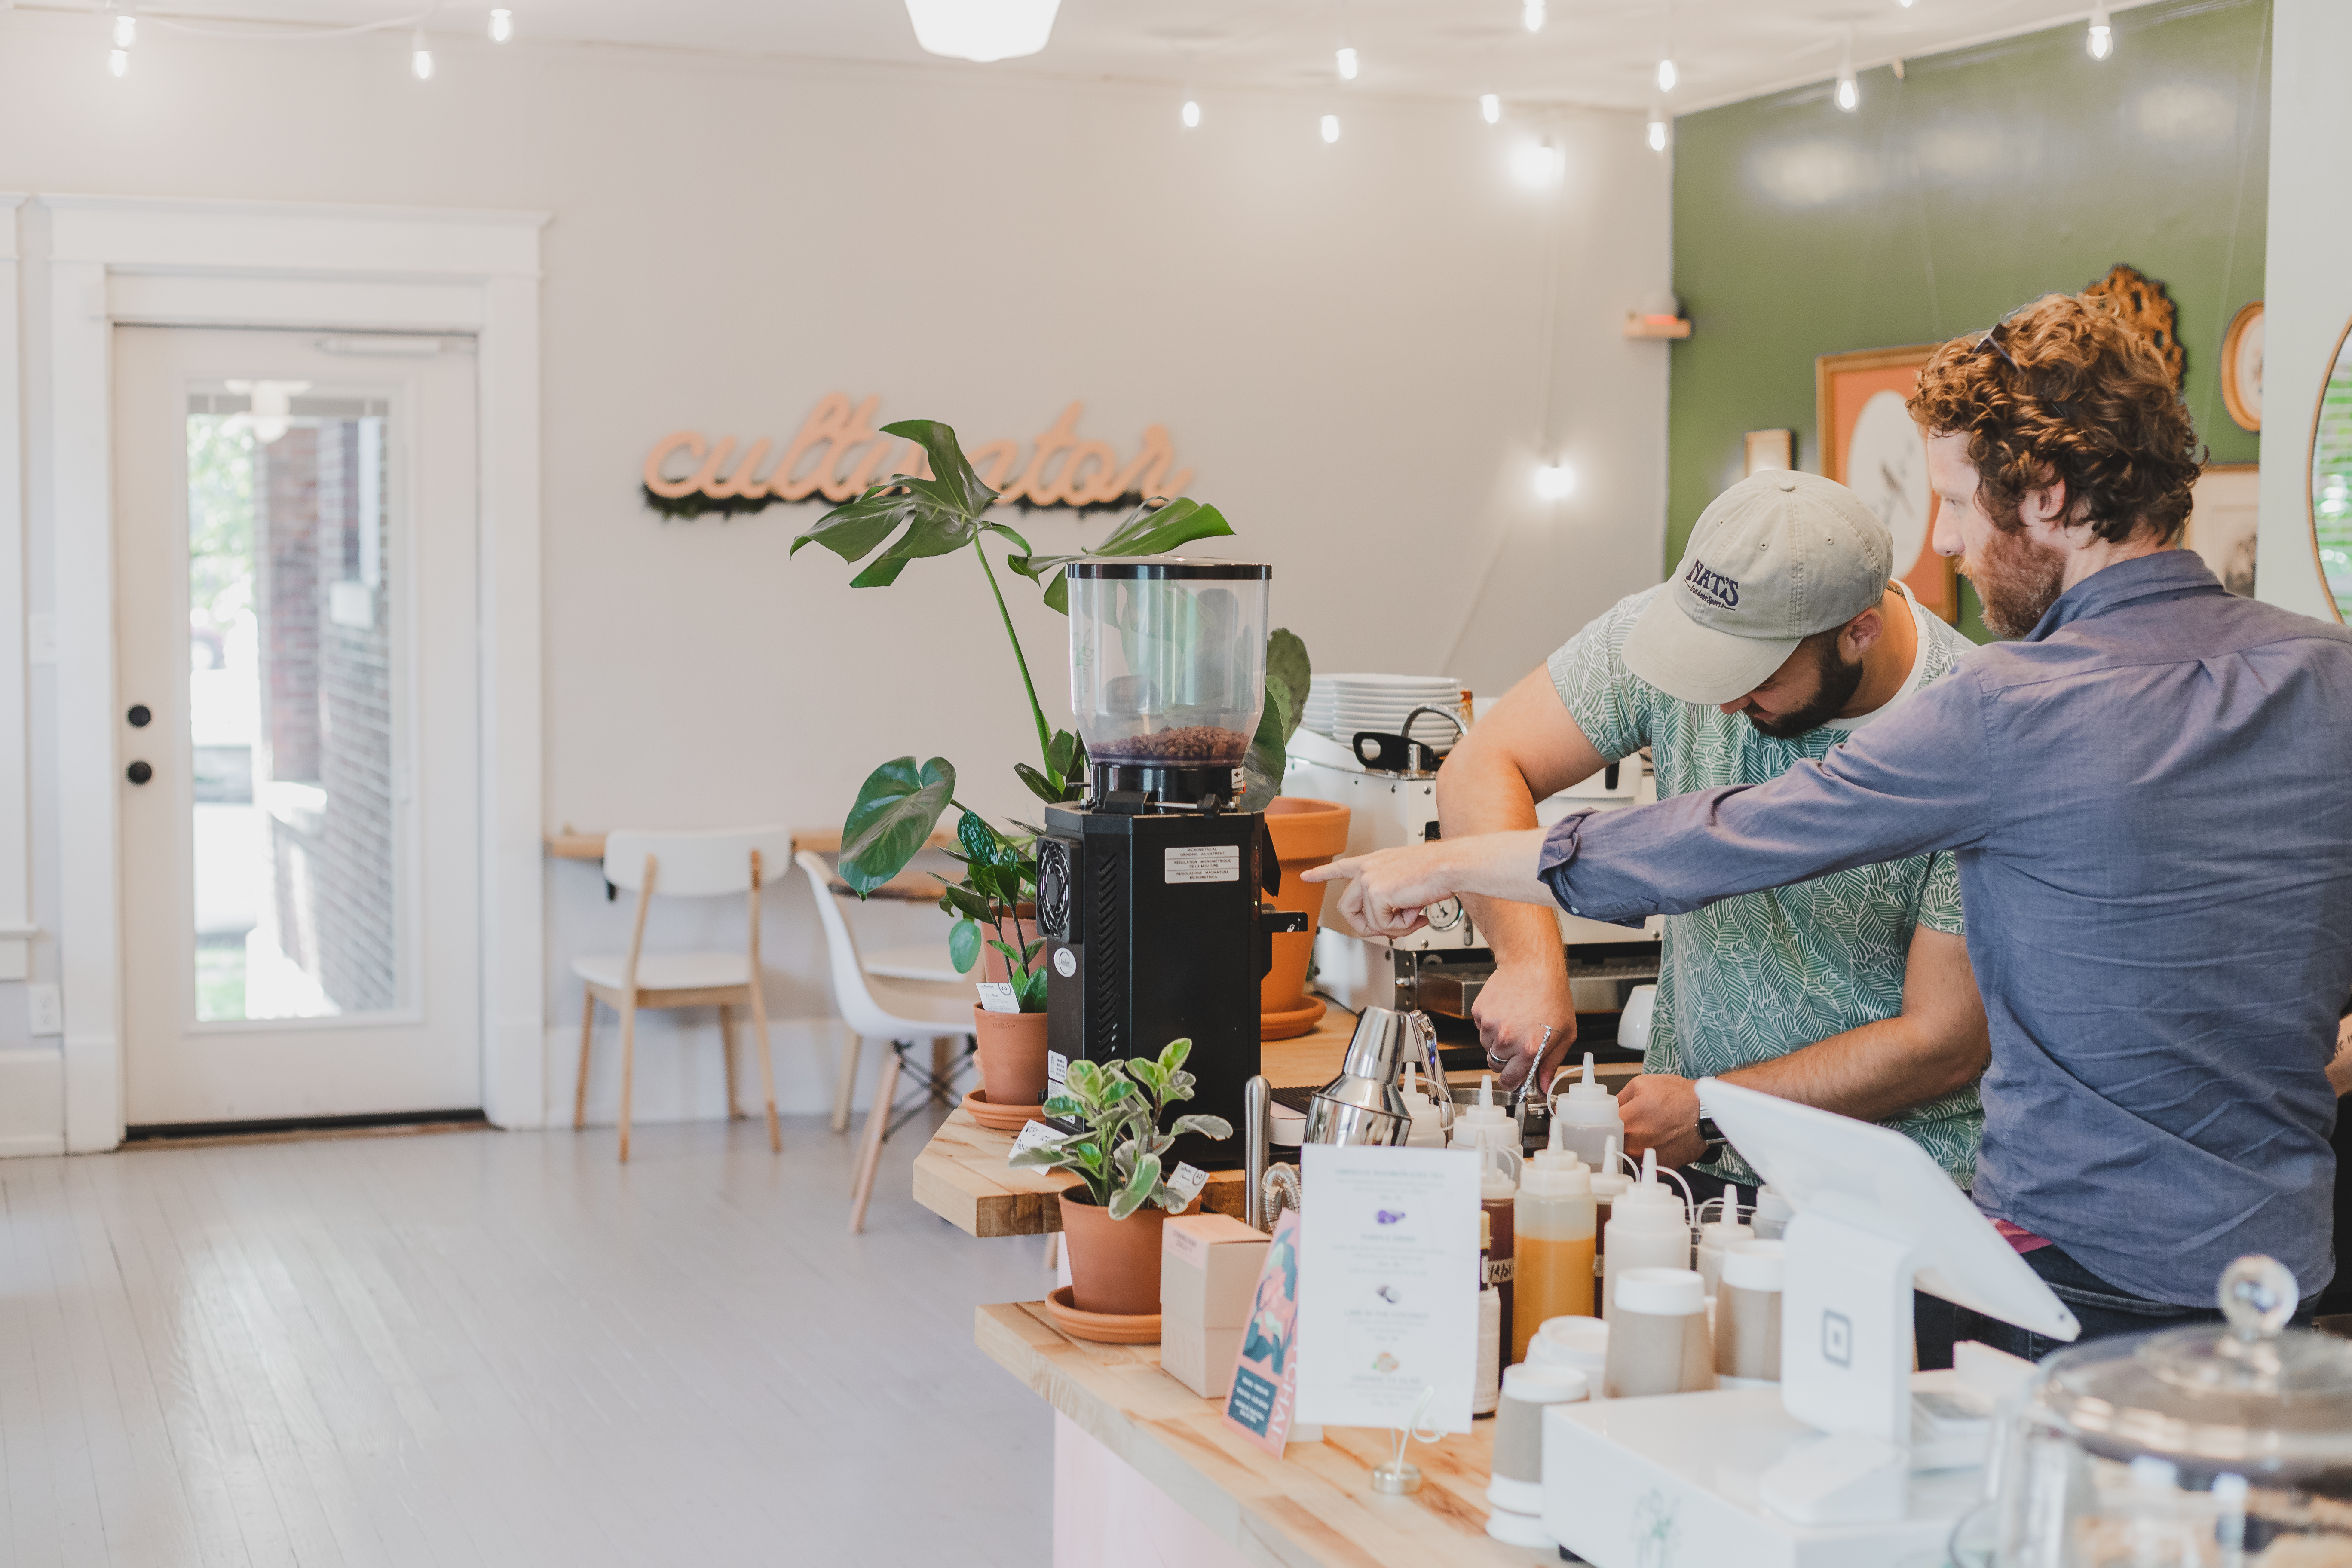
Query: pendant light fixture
x=1347, y=64
x=126, y=29
x=1191, y=113
x=420, y=56
x=1661, y=128
x=502, y=27
x=982, y=30
x=2101, y=40
x=1849, y=90
x=1490, y=107
x=1554, y=481
x=1668, y=76
x=1330, y=128
x=1531, y=15
x=117, y=62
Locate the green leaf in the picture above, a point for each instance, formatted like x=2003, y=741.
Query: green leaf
x=1032, y=989
x=950, y=470
x=1138, y=1188
x=963, y=945
x=1173, y=1054
x=933, y=532
x=978, y=839
x=1286, y=661
x=896, y=809
x=852, y=531
x=1147, y=531
x=1068, y=753
x=999, y=528
x=1207, y=1126
x=961, y=900
x=1044, y=788
x=1269, y=755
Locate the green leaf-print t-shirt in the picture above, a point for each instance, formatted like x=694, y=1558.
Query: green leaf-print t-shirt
x=1758, y=977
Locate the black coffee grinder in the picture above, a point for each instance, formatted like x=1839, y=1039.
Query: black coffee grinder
x=1148, y=891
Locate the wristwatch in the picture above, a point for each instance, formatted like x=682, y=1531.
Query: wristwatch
x=1712, y=1136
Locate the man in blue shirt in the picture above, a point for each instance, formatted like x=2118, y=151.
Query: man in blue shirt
x=2149, y=795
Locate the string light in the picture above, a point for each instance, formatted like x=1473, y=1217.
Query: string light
x=1191, y=113
x=1331, y=128
x=2101, y=40
x=1347, y=64
x=1554, y=481
x=502, y=27
x=1490, y=107
x=1661, y=131
x=1532, y=15
x=1667, y=75
x=420, y=57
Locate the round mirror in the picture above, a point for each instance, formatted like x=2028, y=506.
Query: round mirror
x=2331, y=478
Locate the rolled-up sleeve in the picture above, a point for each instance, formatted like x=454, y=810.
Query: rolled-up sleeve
x=1913, y=782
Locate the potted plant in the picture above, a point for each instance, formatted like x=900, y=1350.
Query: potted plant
x=1112, y=1218
x=996, y=928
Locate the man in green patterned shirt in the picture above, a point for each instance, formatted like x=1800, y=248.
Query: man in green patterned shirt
x=1779, y=635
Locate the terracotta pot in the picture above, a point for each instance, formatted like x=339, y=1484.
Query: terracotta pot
x=1114, y=1263
x=1307, y=834
x=991, y=962
x=1011, y=1056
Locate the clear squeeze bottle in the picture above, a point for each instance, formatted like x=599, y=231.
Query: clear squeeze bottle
x=1718, y=1235
x=1498, y=1192
x=1648, y=1228
x=1426, y=1132
x=1487, y=1387
x=1590, y=1112
x=1551, y=1264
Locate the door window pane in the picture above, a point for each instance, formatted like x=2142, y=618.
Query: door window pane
x=290, y=702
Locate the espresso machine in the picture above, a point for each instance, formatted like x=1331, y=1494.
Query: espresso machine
x=1148, y=889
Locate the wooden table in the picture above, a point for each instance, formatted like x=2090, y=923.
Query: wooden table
x=1313, y=1508
x=908, y=886
x=961, y=1176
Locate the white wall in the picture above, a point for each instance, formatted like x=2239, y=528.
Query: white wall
x=1346, y=342
x=2309, y=290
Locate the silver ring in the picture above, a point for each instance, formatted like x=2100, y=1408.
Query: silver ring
x=1496, y=1059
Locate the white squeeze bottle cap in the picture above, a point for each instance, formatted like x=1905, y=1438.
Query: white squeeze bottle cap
x=1586, y=1102
x=1556, y=1172
x=1608, y=1180
x=1650, y=1204
x=1426, y=1132
x=1493, y=1180
x=1485, y=1125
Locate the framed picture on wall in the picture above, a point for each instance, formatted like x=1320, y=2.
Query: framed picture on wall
x=1870, y=445
x=2222, y=522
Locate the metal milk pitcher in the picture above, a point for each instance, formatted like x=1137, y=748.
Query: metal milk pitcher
x=1365, y=1104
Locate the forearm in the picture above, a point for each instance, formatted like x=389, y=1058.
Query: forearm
x=1473, y=801
x=1496, y=867
x=1870, y=1073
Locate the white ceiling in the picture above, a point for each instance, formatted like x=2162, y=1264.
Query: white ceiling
x=1600, y=52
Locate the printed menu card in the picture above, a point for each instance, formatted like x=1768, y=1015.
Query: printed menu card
x=1388, y=1286
x=1265, y=1373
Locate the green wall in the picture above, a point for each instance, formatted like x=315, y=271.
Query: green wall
x=1985, y=177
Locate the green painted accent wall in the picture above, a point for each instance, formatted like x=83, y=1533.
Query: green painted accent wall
x=1986, y=177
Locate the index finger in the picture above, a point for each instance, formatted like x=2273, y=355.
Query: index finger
x=1348, y=869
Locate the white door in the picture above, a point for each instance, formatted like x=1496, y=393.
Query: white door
x=295, y=608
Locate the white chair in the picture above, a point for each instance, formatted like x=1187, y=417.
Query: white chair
x=683, y=864
x=900, y=1011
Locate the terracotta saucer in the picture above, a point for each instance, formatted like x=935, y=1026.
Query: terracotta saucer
x=1101, y=1328
x=1001, y=1117
x=1285, y=1026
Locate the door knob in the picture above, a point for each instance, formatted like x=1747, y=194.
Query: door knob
x=139, y=773
x=139, y=715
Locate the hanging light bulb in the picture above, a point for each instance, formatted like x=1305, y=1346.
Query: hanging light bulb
x=502, y=27
x=1668, y=76
x=982, y=30
x=1661, y=131
x=420, y=57
x=1554, y=481
x=1347, y=64
x=1849, y=90
x=1536, y=163
x=1906, y=4
x=2101, y=40
x=1490, y=107
x=1191, y=115
x=126, y=30
x=117, y=62
x=1331, y=128
x=1532, y=15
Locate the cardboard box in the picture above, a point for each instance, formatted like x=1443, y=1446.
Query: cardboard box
x=1200, y=1359
x=1209, y=1266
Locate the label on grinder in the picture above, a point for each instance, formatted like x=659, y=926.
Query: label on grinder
x=1205, y=863
x=1057, y=1068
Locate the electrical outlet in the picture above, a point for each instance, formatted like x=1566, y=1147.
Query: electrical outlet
x=46, y=1009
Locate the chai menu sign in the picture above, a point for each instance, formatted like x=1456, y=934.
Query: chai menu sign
x=840, y=450
x=1388, y=1286
x=1265, y=1373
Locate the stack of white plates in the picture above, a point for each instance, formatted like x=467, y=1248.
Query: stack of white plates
x=1341, y=706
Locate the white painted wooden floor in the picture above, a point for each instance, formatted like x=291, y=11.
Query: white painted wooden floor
x=501, y=1348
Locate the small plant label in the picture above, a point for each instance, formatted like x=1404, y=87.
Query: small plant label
x=1184, y=1184
x=996, y=996
x=1031, y=1135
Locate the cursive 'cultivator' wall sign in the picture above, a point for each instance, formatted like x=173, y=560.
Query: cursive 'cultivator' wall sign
x=839, y=452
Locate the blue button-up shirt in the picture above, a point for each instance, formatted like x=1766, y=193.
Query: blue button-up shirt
x=2150, y=799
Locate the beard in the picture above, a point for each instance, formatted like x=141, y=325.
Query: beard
x=2016, y=580
x=1838, y=682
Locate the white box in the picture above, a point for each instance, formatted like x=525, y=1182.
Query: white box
x=1200, y=1359
x=1209, y=1266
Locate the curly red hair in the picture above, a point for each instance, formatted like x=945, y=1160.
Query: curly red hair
x=2063, y=391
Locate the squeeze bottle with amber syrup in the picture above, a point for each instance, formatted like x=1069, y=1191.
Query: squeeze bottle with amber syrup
x=1552, y=1233
x=1495, y=1134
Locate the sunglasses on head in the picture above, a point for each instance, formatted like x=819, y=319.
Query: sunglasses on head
x=1992, y=340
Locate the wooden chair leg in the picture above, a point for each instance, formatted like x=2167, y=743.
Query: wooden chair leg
x=1054, y=1250
x=767, y=1069
x=942, y=1061
x=845, y=1083
x=587, y=1032
x=877, y=1125
x=628, y=1065
x=727, y=1045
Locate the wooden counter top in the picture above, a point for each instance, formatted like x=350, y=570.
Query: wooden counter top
x=961, y=1176
x=1313, y=1508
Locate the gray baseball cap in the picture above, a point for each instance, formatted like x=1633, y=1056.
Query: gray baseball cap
x=1774, y=559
